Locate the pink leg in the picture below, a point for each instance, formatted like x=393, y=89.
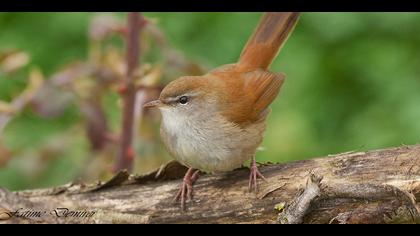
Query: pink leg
x=255, y=173
x=186, y=188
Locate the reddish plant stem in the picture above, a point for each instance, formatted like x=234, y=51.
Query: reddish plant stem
x=125, y=154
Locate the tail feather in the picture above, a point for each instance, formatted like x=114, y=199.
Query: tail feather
x=270, y=35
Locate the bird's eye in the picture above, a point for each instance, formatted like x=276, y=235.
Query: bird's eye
x=183, y=100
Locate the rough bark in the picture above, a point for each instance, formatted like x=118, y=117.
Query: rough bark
x=355, y=187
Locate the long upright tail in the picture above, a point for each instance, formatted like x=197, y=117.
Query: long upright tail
x=271, y=33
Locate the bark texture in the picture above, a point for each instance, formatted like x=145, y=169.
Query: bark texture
x=355, y=187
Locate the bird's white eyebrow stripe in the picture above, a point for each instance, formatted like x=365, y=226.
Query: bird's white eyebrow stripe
x=190, y=94
x=169, y=100
x=174, y=99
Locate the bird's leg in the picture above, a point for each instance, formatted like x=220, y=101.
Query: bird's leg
x=186, y=188
x=255, y=173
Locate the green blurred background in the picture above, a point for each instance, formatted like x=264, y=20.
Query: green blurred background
x=353, y=83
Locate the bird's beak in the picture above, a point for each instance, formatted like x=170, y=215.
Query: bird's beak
x=155, y=103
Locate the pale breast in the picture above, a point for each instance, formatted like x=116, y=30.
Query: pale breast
x=210, y=144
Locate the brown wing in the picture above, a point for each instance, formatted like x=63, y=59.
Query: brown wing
x=256, y=91
x=264, y=86
x=247, y=88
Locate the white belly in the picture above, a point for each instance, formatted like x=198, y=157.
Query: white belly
x=212, y=145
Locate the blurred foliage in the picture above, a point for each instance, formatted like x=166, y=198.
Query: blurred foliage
x=353, y=82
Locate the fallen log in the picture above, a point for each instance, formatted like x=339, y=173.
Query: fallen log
x=381, y=186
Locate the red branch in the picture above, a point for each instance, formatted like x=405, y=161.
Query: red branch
x=125, y=153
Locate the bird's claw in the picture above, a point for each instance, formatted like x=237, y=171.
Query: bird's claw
x=254, y=174
x=185, y=192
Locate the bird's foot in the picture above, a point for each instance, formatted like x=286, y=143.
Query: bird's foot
x=185, y=191
x=255, y=173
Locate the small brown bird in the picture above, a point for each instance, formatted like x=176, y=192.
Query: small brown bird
x=215, y=122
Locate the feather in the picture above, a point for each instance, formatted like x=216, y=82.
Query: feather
x=270, y=35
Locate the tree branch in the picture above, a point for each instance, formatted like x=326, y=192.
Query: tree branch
x=126, y=154
x=357, y=187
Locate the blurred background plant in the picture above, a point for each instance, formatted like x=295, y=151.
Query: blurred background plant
x=353, y=82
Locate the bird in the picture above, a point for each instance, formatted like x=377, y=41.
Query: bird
x=215, y=122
